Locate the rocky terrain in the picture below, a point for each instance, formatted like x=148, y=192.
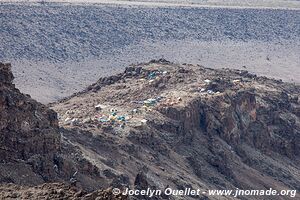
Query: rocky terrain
x=33, y=152
x=54, y=191
x=156, y=125
x=29, y=134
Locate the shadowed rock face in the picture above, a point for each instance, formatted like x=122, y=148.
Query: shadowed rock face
x=32, y=150
x=6, y=76
x=28, y=130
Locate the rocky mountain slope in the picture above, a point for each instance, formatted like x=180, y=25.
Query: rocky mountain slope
x=32, y=151
x=188, y=126
x=29, y=134
x=161, y=125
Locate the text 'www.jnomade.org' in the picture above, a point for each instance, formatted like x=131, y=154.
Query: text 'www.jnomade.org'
x=197, y=192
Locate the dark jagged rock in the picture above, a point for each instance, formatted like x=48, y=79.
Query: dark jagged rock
x=6, y=76
x=32, y=150
x=29, y=130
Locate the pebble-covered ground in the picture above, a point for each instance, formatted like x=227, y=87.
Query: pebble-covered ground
x=59, y=49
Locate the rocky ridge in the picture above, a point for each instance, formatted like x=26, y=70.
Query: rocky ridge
x=188, y=126
x=161, y=124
